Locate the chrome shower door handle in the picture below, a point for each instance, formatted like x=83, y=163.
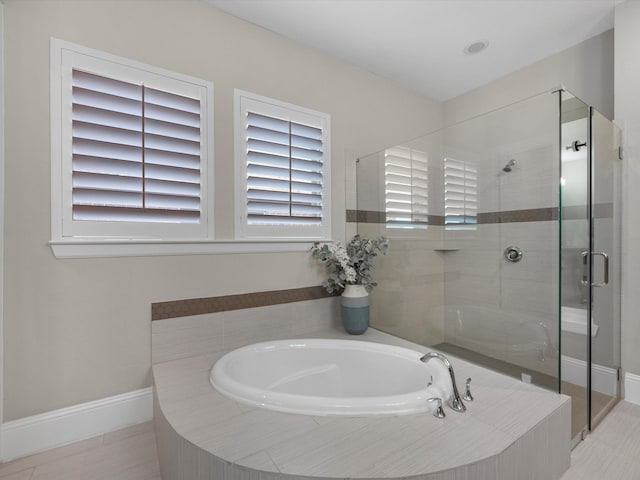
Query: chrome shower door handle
x=585, y=275
x=585, y=279
x=606, y=269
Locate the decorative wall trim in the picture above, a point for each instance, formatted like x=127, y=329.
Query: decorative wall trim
x=600, y=210
x=632, y=388
x=366, y=216
x=199, y=306
x=373, y=216
x=56, y=428
x=507, y=216
x=514, y=216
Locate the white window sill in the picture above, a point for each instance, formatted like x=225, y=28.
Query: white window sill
x=145, y=248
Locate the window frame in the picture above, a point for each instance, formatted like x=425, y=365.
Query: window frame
x=246, y=101
x=66, y=56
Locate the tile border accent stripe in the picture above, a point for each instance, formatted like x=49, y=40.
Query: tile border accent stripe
x=601, y=210
x=373, y=216
x=514, y=216
x=199, y=306
x=507, y=216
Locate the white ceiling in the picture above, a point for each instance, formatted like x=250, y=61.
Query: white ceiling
x=420, y=43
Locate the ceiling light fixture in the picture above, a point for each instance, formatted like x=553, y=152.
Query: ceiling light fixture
x=476, y=47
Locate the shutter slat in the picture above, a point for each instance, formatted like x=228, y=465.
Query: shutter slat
x=306, y=131
x=172, y=100
x=182, y=175
x=108, y=166
x=172, y=202
x=270, y=148
x=89, y=197
x=105, y=101
x=172, y=130
x=114, y=214
x=268, y=220
x=172, y=188
x=109, y=118
x=267, y=122
x=115, y=183
x=266, y=159
x=267, y=135
x=306, y=154
x=101, y=133
x=171, y=115
x=94, y=148
x=172, y=159
x=168, y=144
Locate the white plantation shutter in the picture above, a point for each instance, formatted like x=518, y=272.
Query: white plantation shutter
x=136, y=152
x=283, y=170
x=406, y=188
x=132, y=149
x=460, y=194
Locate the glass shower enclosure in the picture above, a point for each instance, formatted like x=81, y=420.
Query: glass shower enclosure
x=503, y=243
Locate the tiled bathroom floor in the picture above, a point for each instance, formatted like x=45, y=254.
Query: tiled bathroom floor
x=127, y=454
x=611, y=452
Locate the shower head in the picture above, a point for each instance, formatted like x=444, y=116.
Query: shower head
x=510, y=163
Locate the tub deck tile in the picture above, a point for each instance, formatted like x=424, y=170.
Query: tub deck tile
x=257, y=444
x=251, y=432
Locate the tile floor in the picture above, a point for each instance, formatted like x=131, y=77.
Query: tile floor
x=611, y=452
x=128, y=454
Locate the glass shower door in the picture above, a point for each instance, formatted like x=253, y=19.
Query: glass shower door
x=590, y=259
x=605, y=267
x=575, y=258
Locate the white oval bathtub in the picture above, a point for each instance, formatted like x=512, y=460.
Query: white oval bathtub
x=331, y=377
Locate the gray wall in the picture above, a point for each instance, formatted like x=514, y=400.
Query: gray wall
x=79, y=330
x=586, y=70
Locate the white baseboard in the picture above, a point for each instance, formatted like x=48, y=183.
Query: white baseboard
x=632, y=388
x=603, y=379
x=56, y=428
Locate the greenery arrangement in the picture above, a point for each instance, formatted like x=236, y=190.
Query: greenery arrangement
x=350, y=265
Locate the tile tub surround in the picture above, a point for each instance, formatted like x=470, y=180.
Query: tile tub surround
x=512, y=431
x=191, y=335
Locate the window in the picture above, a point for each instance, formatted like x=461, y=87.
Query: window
x=406, y=188
x=460, y=195
x=132, y=150
x=282, y=170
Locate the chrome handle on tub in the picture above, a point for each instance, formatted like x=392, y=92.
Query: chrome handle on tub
x=439, y=411
x=467, y=391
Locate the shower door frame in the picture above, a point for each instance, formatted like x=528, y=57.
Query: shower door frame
x=590, y=232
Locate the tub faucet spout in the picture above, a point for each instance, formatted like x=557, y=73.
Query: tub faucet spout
x=455, y=402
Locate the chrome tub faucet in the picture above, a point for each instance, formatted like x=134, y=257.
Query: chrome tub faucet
x=455, y=402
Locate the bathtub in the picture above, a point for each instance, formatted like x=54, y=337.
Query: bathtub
x=331, y=377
